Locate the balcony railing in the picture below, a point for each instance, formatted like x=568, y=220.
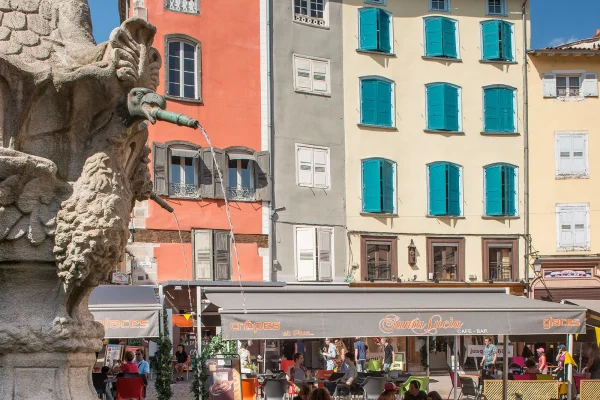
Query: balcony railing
x=444, y=272
x=184, y=191
x=499, y=272
x=380, y=272
x=305, y=19
x=568, y=92
x=186, y=6
x=240, y=194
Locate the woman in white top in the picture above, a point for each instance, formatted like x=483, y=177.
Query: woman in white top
x=245, y=360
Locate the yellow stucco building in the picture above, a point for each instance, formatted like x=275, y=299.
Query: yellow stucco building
x=433, y=117
x=565, y=175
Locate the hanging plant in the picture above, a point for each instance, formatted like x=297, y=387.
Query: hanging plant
x=423, y=350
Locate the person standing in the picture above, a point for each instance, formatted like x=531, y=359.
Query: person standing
x=143, y=367
x=182, y=359
x=330, y=353
x=360, y=354
x=490, y=354
x=299, y=347
x=542, y=362
x=388, y=352
x=593, y=365
x=245, y=359
x=560, y=359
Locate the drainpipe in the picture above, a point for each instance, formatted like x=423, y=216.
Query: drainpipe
x=271, y=133
x=526, y=143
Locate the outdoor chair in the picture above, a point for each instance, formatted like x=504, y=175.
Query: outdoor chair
x=468, y=388
x=249, y=388
x=275, y=389
x=99, y=385
x=323, y=374
x=520, y=361
x=373, y=387
x=130, y=387
x=458, y=383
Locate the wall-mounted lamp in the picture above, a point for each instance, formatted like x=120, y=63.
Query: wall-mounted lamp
x=412, y=253
x=537, y=265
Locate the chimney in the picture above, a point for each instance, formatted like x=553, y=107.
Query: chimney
x=597, y=33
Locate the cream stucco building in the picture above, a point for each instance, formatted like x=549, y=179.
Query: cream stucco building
x=565, y=171
x=434, y=146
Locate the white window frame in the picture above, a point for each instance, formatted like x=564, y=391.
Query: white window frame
x=327, y=166
x=310, y=59
x=503, y=10
x=316, y=256
x=460, y=184
x=559, y=245
x=516, y=192
x=552, y=77
x=393, y=109
x=456, y=39
x=312, y=21
x=460, y=113
x=576, y=175
x=239, y=173
x=567, y=78
x=446, y=8
x=182, y=164
x=181, y=64
x=376, y=2
x=395, y=179
x=515, y=107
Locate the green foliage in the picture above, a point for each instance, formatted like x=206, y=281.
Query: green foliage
x=134, y=342
x=423, y=351
x=218, y=345
x=164, y=367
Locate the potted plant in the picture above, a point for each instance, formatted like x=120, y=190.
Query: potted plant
x=518, y=396
x=253, y=367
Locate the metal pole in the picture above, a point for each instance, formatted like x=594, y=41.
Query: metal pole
x=455, y=383
x=199, y=319
x=580, y=356
x=427, y=363
x=569, y=376
x=526, y=143
x=505, y=369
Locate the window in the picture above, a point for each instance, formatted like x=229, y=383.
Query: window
x=500, y=259
x=377, y=102
x=378, y=186
x=570, y=84
x=186, y=6
x=312, y=12
x=182, y=68
x=311, y=75
x=443, y=107
x=444, y=194
x=375, y=30
x=571, y=155
x=212, y=254
x=439, y=5
x=573, y=226
x=183, y=173
x=312, y=166
x=247, y=174
x=314, y=253
x=500, y=190
x=497, y=40
x=496, y=7
x=499, y=108
x=378, y=258
x=240, y=182
x=441, y=35
x=445, y=258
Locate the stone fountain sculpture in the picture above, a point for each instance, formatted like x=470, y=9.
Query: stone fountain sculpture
x=73, y=161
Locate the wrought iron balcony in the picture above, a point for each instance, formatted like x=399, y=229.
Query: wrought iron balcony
x=380, y=272
x=240, y=194
x=499, y=272
x=186, y=6
x=182, y=190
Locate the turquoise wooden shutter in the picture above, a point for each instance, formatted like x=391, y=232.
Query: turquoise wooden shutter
x=506, y=110
x=449, y=37
x=384, y=31
x=510, y=191
x=453, y=190
x=435, y=106
x=371, y=177
x=368, y=28
x=368, y=98
x=490, y=31
x=506, y=41
x=437, y=189
x=387, y=186
x=491, y=108
x=384, y=103
x=493, y=190
x=433, y=37
x=451, y=108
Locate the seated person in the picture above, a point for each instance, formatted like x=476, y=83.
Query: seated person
x=182, y=358
x=129, y=367
x=530, y=367
x=297, y=372
x=350, y=375
x=415, y=392
x=304, y=392
x=108, y=387
x=388, y=395
x=434, y=396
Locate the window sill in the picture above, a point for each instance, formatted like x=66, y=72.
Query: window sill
x=376, y=52
x=572, y=176
x=500, y=133
x=497, y=62
x=312, y=93
x=437, y=58
x=569, y=98
x=500, y=217
x=442, y=131
x=311, y=25
x=569, y=249
x=175, y=197
x=446, y=216
x=381, y=127
x=183, y=99
x=380, y=215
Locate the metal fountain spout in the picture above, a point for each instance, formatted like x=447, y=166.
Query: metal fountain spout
x=146, y=104
x=174, y=118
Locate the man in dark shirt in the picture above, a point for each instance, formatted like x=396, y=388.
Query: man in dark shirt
x=388, y=355
x=415, y=392
x=182, y=358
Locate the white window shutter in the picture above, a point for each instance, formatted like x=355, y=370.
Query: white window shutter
x=306, y=260
x=325, y=254
x=580, y=227
x=563, y=155
x=303, y=73
x=566, y=227
x=549, y=85
x=203, y=254
x=321, y=170
x=320, y=76
x=305, y=166
x=590, y=84
x=578, y=154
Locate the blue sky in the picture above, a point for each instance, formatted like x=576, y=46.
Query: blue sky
x=552, y=22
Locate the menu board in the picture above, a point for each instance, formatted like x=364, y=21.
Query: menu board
x=224, y=379
x=113, y=353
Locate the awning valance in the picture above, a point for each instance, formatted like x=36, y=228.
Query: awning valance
x=240, y=156
x=593, y=307
x=126, y=311
x=321, y=311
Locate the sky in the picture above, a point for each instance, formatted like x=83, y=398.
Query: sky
x=552, y=23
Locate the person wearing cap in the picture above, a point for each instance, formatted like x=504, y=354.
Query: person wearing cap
x=542, y=362
x=560, y=359
x=389, y=392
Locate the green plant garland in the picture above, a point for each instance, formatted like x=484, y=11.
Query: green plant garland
x=423, y=350
x=164, y=367
x=199, y=386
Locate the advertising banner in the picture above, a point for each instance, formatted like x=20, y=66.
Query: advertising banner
x=113, y=353
x=477, y=351
x=121, y=324
x=224, y=379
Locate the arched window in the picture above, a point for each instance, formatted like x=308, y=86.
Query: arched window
x=377, y=101
x=378, y=186
x=444, y=180
x=499, y=109
x=443, y=107
x=500, y=190
x=182, y=67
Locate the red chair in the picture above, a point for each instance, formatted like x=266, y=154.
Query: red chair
x=323, y=374
x=458, y=384
x=285, y=365
x=577, y=379
x=520, y=361
x=130, y=388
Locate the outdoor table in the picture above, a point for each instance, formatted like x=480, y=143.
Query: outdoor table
x=110, y=380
